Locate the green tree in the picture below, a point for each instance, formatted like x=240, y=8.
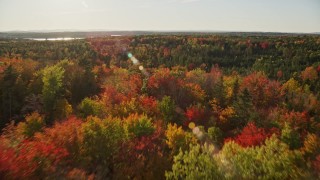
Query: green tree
x=167, y=108
x=215, y=135
x=91, y=107
x=177, y=138
x=244, y=109
x=52, y=88
x=274, y=160
x=6, y=92
x=12, y=92
x=102, y=140
x=139, y=125
x=290, y=137
x=197, y=163
x=34, y=123
x=62, y=109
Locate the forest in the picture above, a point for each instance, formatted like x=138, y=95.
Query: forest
x=161, y=106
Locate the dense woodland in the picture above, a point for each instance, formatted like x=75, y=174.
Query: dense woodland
x=161, y=107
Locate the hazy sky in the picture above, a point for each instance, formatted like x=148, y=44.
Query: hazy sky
x=228, y=15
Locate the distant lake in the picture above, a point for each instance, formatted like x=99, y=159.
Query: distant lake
x=53, y=39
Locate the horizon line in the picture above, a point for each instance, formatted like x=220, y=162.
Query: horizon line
x=137, y=30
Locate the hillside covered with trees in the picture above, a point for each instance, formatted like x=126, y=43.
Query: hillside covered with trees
x=161, y=107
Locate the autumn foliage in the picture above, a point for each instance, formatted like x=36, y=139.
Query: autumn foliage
x=32, y=159
x=251, y=135
x=188, y=107
x=264, y=92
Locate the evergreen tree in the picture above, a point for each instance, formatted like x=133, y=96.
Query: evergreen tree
x=244, y=109
x=12, y=93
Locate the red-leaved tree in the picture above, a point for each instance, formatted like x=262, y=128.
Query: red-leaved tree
x=251, y=135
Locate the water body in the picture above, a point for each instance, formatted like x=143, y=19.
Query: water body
x=63, y=38
x=53, y=39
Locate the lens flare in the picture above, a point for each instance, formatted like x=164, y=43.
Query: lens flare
x=196, y=130
x=192, y=125
x=135, y=61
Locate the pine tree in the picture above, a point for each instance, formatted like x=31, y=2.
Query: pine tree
x=244, y=109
